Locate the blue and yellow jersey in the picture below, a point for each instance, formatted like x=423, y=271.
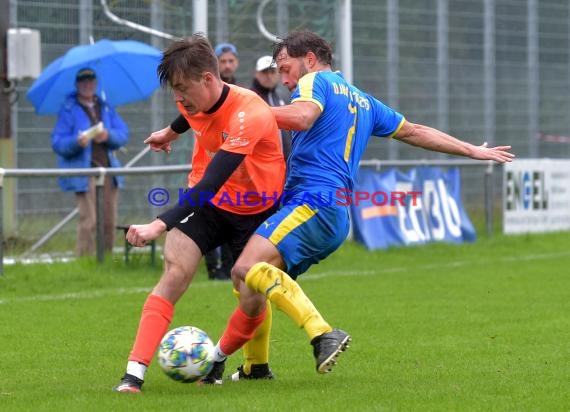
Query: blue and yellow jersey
x=326, y=156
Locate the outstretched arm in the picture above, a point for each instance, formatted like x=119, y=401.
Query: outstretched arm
x=438, y=141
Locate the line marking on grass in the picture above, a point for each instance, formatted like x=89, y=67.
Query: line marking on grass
x=77, y=295
x=308, y=277
x=453, y=264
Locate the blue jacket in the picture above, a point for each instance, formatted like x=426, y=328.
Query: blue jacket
x=71, y=121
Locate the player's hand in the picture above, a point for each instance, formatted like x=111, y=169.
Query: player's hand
x=159, y=141
x=139, y=235
x=500, y=154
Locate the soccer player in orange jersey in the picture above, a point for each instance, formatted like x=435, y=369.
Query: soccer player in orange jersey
x=237, y=177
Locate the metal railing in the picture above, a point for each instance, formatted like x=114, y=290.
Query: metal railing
x=101, y=172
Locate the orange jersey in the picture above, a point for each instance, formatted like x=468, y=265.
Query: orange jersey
x=243, y=124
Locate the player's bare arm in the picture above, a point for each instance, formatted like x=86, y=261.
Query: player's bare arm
x=432, y=139
x=160, y=140
x=299, y=115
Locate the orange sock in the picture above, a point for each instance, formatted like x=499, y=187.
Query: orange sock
x=240, y=329
x=156, y=316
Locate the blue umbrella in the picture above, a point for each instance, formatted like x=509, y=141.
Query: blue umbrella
x=126, y=73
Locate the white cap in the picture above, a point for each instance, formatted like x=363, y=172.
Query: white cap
x=264, y=63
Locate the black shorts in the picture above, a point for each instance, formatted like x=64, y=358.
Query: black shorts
x=209, y=227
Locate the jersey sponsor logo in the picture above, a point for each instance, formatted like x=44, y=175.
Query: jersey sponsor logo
x=237, y=141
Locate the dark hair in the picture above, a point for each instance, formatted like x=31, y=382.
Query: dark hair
x=298, y=43
x=189, y=58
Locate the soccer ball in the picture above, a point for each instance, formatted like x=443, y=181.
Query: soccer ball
x=186, y=354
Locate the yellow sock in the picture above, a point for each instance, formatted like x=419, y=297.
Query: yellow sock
x=256, y=350
x=287, y=296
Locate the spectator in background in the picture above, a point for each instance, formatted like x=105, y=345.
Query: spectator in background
x=265, y=82
x=77, y=147
x=228, y=61
x=219, y=261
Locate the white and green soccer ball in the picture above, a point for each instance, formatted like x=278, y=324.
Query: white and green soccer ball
x=186, y=354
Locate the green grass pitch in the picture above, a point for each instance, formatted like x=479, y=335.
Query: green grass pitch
x=472, y=327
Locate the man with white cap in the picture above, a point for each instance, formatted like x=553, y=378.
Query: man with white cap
x=265, y=82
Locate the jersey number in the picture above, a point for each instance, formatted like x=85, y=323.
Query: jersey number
x=350, y=134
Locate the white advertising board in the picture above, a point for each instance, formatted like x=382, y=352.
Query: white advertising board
x=536, y=196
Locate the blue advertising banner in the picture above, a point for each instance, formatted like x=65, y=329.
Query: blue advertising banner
x=396, y=208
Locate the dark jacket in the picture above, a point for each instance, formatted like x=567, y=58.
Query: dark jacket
x=273, y=98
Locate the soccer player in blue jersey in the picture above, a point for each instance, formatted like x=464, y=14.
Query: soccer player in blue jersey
x=332, y=122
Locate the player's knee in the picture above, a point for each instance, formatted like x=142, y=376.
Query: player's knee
x=241, y=269
x=173, y=283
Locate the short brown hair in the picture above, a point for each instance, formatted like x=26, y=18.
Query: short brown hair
x=299, y=43
x=189, y=58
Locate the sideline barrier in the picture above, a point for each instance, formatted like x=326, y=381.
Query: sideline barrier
x=537, y=196
x=405, y=208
